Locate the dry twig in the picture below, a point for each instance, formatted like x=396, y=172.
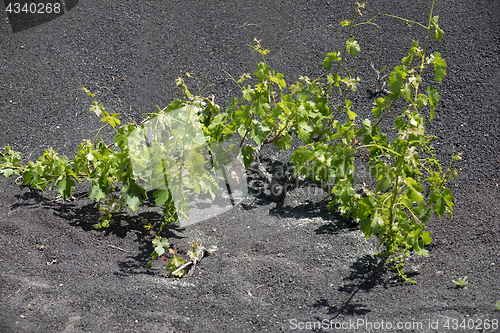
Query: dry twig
x=201, y=251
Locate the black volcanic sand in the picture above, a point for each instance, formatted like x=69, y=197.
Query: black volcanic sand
x=275, y=266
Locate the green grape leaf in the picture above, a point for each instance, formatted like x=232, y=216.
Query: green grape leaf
x=283, y=142
x=422, y=252
x=329, y=77
x=407, y=93
x=160, y=244
x=161, y=196
x=346, y=194
x=113, y=120
x=384, y=177
x=132, y=191
x=154, y=255
x=259, y=132
x=434, y=98
x=96, y=108
x=261, y=109
x=234, y=102
x=10, y=162
x=247, y=94
x=396, y=80
x=330, y=58
x=414, y=190
x=121, y=139
x=248, y=158
x=410, y=240
x=262, y=72
x=301, y=155
x=351, y=115
x=383, y=184
x=66, y=186
x=448, y=197
x=192, y=254
x=439, y=206
x=438, y=33
x=175, y=263
x=404, y=224
x=379, y=106
x=196, y=158
x=435, y=179
x=97, y=190
x=407, y=59
x=365, y=208
x=421, y=100
x=336, y=80
x=305, y=126
x=241, y=115
x=132, y=201
x=376, y=222
x=365, y=226
x=400, y=123
x=7, y=172
x=439, y=65
x=353, y=47
x=32, y=176
x=426, y=237
x=278, y=79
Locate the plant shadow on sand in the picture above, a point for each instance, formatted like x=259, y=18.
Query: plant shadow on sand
x=367, y=273
x=83, y=214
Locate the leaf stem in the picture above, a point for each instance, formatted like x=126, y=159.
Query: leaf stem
x=425, y=46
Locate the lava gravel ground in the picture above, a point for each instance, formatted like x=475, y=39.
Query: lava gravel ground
x=275, y=267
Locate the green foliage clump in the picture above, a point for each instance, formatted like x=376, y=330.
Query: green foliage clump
x=410, y=181
x=460, y=282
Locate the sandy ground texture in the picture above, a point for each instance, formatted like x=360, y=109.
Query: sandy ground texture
x=275, y=267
